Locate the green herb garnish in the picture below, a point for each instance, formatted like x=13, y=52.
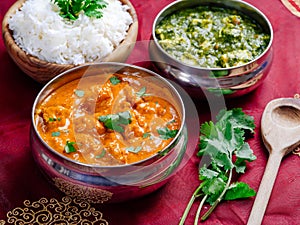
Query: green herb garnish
x=53, y=119
x=79, y=93
x=114, y=80
x=147, y=134
x=142, y=92
x=171, y=121
x=55, y=134
x=101, y=155
x=133, y=149
x=114, y=121
x=70, y=9
x=223, y=142
x=70, y=147
x=165, y=133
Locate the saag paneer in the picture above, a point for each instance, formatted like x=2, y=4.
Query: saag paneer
x=211, y=37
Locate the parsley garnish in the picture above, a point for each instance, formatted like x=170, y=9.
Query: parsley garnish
x=114, y=80
x=133, y=149
x=70, y=9
x=165, y=133
x=114, y=121
x=223, y=142
x=69, y=147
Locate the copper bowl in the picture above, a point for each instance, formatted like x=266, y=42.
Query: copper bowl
x=43, y=71
x=99, y=184
x=199, y=81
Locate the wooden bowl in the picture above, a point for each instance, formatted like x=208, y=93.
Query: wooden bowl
x=43, y=71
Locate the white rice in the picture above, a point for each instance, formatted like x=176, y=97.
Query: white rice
x=40, y=31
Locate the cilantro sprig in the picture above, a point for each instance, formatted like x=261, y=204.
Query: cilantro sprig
x=224, y=144
x=70, y=9
x=114, y=121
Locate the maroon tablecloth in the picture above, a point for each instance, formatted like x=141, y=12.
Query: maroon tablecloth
x=21, y=180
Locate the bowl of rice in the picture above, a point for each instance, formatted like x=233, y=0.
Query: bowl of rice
x=44, y=44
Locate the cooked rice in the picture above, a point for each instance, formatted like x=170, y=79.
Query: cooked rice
x=40, y=31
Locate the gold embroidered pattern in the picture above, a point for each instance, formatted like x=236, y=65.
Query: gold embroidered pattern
x=297, y=151
x=66, y=211
x=80, y=192
x=293, y=6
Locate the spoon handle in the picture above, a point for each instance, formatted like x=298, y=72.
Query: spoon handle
x=265, y=189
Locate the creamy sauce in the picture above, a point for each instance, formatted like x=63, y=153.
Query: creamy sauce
x=211, y=37
x=121, y=120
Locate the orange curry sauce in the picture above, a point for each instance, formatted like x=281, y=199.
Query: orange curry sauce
x=121, y=120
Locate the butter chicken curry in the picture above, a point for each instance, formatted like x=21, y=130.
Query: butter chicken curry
x=123, y=119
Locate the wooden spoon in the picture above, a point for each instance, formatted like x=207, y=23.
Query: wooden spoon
x=280, y=127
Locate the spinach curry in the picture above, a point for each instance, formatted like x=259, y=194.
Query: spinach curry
x=120, y=120
x=211, y=37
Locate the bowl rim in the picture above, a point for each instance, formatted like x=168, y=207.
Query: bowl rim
x=159, y=17
x=121, y=65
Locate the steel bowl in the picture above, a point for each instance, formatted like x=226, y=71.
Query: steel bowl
x=232, y=81
x=99, y=184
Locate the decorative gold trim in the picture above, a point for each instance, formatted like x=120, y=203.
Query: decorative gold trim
x=297, y=151
x=80, y=192
x=53, y=211
x=293, y=6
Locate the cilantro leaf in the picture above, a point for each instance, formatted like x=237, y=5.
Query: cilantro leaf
x=101, y=155
x=239, y=190
x=237, y=118
x=55, y=134
x=213, y=189
x=79, y=93
x=165, y=133
x=242, y=154
x=114, y=80
x=70, y=9
x=206, y=173
x=142, y=92
x=245, y=153
x=94, y=8
x=147, y=134
x=53, y=119
x=114, y=121
x=69, y=147
x=133, y=149
x=171, y=121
